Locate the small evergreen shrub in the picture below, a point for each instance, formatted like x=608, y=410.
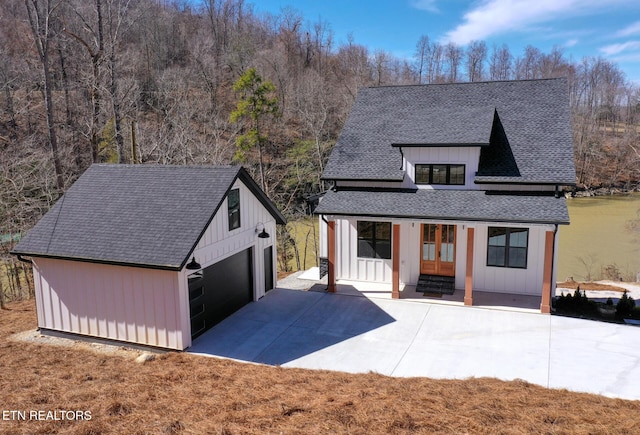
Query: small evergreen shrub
x=624, y=307
x=578, y=303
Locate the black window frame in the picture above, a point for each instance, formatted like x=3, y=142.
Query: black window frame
x=380, y=250
x=507, y=248
x=234, y=223
x=447, y=167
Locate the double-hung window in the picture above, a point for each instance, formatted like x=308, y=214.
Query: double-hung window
x=233, y=205
x=507, y=247
x=452, y=174
x=374, y=239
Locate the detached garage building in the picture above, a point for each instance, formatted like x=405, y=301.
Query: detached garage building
x=153, y=255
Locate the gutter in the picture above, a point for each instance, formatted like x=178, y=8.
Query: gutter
x=24, y=260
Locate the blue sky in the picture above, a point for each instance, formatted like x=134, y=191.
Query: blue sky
x=607, y=28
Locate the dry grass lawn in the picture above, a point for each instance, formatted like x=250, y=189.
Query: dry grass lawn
x=182, y=393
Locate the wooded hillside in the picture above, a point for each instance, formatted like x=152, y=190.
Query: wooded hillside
x=130, y=81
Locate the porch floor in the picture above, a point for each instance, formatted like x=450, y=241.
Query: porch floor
x=498, y=301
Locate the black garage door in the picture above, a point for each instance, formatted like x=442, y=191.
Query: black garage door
x=219, y=291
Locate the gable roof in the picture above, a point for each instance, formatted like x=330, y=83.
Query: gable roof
x=138, y=215
x=534, y=115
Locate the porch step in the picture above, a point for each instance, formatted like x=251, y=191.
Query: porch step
x=437, y=285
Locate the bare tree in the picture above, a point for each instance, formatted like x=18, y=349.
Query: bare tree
x=313, y=109
x=118, y=22
x=41, y=16
x=90, y=36
x=500, y=63
x=476, y=57
x=421, y=55
x=529, y=66
x=453, y=54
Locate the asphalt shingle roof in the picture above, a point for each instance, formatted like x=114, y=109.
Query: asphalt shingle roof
x=140, y=215
x=534, y=115
x=460, y=205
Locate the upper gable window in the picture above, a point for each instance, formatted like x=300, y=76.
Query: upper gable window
x=440, y=174
x=233, y=205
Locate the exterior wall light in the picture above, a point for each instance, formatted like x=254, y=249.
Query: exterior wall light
x=262, y=234
x=193, y=264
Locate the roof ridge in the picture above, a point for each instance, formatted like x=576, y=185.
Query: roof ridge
x=414, y=85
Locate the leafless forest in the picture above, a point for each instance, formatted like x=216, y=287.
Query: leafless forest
x=143, y=81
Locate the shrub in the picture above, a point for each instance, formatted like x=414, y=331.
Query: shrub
x=624, y=307
x=578, y=303
x=609, y=302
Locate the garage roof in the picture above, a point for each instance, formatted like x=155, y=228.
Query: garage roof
x=138, y=215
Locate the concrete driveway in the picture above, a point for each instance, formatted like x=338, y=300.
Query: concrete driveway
x=357, y=334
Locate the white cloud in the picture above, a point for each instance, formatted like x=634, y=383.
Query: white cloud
x=614, y=49
x=631, y=29
x=492, y=17
x=570, y=43
x=425, y=5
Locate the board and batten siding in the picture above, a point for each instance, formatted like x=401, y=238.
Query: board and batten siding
x=351, y=267
x=469, y=156
x=509, y=280
x=218, y=243
x=122, y=303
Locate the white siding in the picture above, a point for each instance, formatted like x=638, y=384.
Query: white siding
x=322, y=227
x=348, y=265
x=509, y=280
x=116, y=302
x=218, y=243
x=469, y=156
x=409, y=252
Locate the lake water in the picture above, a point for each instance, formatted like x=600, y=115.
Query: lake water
x=598, y=237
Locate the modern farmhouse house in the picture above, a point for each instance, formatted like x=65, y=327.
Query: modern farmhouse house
x=153, y=255
x=451, y=187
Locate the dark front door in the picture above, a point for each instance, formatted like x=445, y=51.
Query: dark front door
x=268, y=268
x=437, y=255
x=220, y=290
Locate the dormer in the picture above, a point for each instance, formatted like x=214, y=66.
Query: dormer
x=440, y=167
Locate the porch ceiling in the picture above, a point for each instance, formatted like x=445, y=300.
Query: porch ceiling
x=467, y=205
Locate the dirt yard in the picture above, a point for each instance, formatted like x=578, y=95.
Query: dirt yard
x=55, y=388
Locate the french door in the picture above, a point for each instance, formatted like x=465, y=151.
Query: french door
x=438, y=242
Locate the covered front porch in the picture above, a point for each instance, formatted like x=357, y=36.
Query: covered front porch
x=461, y=252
